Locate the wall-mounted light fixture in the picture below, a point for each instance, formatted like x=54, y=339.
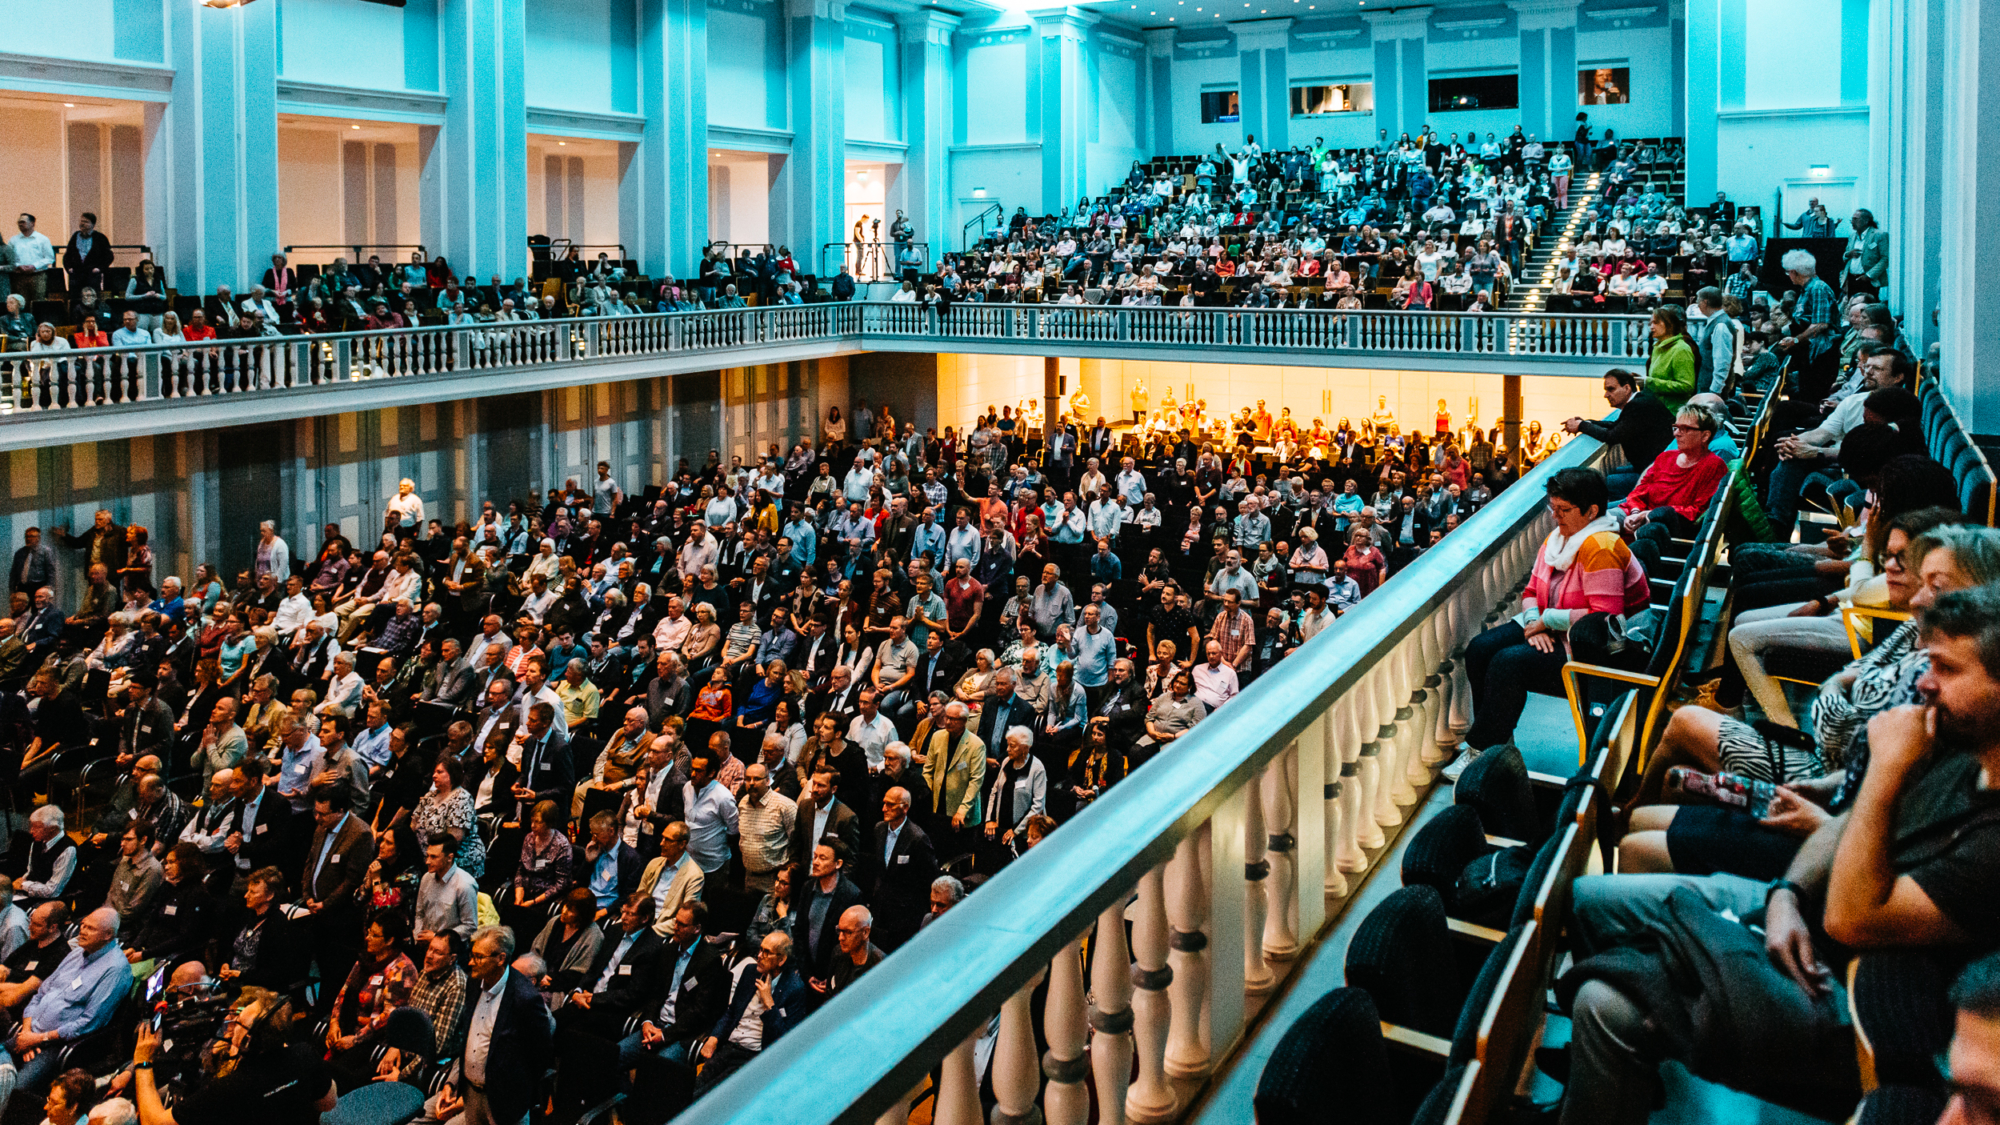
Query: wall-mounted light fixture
x=1819, y=171
x=224, y=3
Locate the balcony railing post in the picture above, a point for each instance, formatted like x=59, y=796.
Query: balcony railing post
x=1015, y=1074
x=1281, y=820
x=343, y=353
x=1186, y=887
x=1257, y=976
x=1066, y=1100
x=1151, y=1100
x=958, y=1086
x=149, y=375
x=1111, y=1016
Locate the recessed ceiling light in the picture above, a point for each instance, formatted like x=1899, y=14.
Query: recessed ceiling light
x=354, y=126
x=562, y=144
x=69, y=105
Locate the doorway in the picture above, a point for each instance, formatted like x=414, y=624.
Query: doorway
x=248, y=466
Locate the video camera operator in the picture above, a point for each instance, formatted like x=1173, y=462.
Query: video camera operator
x=250, y=1072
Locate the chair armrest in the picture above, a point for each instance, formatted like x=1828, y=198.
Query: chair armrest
x=1573, y=669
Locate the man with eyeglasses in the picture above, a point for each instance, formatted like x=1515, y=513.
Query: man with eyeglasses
x=768, y=999
x=507, y=1043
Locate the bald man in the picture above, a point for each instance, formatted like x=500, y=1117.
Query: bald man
x=897, y=870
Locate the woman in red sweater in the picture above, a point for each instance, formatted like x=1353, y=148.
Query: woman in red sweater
x=1675, y=489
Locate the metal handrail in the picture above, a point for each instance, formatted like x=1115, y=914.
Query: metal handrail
x=978, y=221
x=905, y=1016
x=882, y=255
x=358, y=247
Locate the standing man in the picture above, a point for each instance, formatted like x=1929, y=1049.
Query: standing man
x=33, y=255
x=87, y=255
x=34, y=564
x=507, y=1044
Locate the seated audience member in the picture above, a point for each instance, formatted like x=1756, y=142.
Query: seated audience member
x=1912, y=866
x=1641, y=430
x=1674, y=491
x=79, y=996
x=1583, y=568
x=1817, y=775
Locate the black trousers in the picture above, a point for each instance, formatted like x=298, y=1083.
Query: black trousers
x=1504, y=668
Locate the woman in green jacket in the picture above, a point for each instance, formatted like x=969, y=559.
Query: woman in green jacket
x=1670, y=369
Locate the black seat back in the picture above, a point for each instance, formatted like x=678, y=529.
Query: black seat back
x=1332, y=1055
x=1402, y=955
x=1497, y=785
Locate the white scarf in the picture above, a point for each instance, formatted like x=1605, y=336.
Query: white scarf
x=1560, y=552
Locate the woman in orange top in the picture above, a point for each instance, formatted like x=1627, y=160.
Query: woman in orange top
x=89, y=336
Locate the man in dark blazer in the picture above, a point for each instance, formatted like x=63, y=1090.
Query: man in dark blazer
x=619, y=980
x=336, y=861
x=42, y=624
x=690, y=992
x=1002, y=711
x=509, y=1038
x=87, y=255
x=546, y=771
x=840, y=820
x=1061, y=461
x=821, y=898
x=34, y=564
x=786, y=1000
x=897, y=872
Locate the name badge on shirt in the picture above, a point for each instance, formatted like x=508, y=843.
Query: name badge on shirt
x=624, y=970
x=902, y=859
x=76, y=984
x=261, y=829
x=376, y=979
x=334, y=858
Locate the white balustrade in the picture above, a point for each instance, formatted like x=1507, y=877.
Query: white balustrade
x=1150, y=1100
x=1015, y=1067
x=1111, y=1015
x=1066, y=1100
x=1185, y=886
x=1257, y=976
x=1281, y=796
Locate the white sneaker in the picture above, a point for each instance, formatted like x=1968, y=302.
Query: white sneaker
x=1466, y=756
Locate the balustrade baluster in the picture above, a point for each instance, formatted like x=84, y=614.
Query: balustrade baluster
x=1257, y=976
x=1111, y=975
x=1015, y=1074
x=958, y=1086
x=1394, y=736
x=1349, y=856
x=1281, y=887
x=1186, y=891
x=1151, y=1100
x=1367, y=832
x=1439, y=682
x=1319, y=738
x=1408, y=698
x=1066, y=1100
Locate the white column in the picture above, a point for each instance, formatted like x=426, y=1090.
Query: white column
x=1281, y=887
x=814, y=179
x=221, y=149
x=483, y=145
x=927, y=125
x=664, y=190
x=1969, y=323
x=1063, y=130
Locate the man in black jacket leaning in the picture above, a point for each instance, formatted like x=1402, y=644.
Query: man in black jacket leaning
x=1643, y=428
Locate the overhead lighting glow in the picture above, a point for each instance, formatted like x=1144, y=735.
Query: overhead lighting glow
x=354, y=126
x=223, y=3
